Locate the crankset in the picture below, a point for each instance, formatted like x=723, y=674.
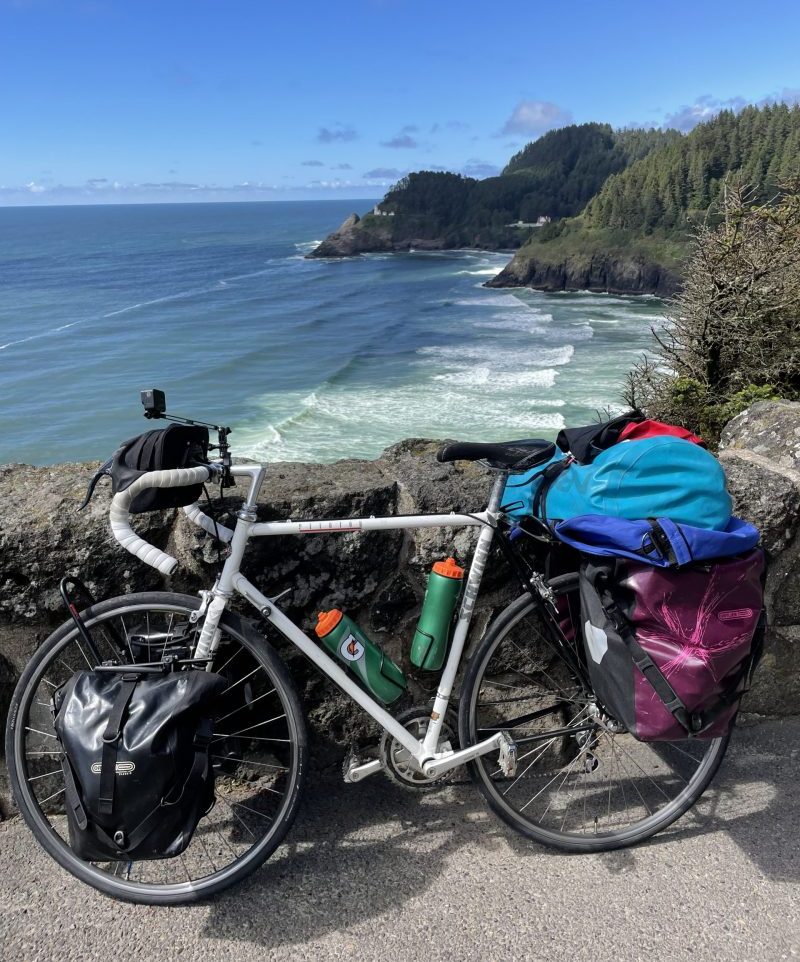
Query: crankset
x=396, y=760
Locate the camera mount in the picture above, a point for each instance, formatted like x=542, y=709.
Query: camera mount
x=154, y=402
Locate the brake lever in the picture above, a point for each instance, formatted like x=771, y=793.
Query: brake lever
x=103, y=471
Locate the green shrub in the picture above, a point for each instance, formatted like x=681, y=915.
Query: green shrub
x=733, y=333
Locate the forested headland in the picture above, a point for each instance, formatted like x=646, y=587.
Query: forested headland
x=588, y=206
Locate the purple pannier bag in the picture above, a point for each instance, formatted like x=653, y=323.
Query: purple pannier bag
x=671, y=652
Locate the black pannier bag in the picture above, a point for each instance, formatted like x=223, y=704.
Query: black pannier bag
x=670, y=652
x=175, y=446
x=135, y=756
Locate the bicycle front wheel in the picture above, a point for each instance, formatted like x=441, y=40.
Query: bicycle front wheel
x=258, y=749
x=579, y=785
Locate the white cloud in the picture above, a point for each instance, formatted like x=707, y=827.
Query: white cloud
x=338, y=132
x=475, y=167
x=688, y=116
x=789, y=95
x=531, y=118
x=705, y=107
x=401, y=141
x=384, y=173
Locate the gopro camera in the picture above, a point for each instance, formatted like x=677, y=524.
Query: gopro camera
x=154, y=403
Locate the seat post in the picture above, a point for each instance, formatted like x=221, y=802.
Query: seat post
x=498, y=490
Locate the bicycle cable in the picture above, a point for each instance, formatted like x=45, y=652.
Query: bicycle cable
x=212, y=514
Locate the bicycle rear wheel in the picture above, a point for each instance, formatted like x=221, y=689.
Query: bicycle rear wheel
x=259, y=749
x=580, y=785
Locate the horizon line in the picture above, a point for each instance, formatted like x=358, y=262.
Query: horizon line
x=185, y=203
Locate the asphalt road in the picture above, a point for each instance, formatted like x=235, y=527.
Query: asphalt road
x=371, y=872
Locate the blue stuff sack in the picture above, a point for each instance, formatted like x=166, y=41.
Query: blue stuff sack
x=659, y=477
x=519, y=498
x=657, y=541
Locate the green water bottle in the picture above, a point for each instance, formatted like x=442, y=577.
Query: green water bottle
x=433, y=627
x=377, y=672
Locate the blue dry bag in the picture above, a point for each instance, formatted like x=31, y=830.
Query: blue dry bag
x=659, y=477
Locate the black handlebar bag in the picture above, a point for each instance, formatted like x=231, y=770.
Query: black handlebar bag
x=136, y=760
x=175, y=446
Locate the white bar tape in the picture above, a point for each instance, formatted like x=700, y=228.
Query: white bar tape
x=120, y=515
x=195, y=514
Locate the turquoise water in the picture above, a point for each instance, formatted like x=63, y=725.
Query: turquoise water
x=307, y=360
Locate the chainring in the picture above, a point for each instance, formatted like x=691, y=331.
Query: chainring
x=396, y=760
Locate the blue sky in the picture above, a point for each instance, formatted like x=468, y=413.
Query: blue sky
x=106, y=101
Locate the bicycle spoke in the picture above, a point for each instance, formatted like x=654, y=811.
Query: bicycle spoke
x=127, y=638
x=54, y=795
x=237, y=816
x=36, y=730
x=220, y=670
x=261, y=814
x=56, y=771
x=246, y=705
x=244, y=761
x=549, y=783
x=648, y=777
x=252, y=738
x=239, y=682
x=252, y=783
x=577, y=779
x=167, y=634
x=85, y=656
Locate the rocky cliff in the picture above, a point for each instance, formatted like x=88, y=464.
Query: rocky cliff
x=379, y=578
x=353, y=237
x=375, y=235
x=607, y=272
x=533, y=265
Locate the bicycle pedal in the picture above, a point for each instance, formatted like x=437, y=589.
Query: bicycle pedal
x=507, y=759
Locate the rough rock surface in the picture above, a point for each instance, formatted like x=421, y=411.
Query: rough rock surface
x=354, y=237
x=378, y=577
x=760, y=451
x=590, y=272
x=372, y=235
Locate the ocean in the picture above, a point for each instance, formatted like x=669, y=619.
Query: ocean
x=307, y=360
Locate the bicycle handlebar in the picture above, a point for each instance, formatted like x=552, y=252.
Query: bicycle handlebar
x=195, y=514
x=119, y=513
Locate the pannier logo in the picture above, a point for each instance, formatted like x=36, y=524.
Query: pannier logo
x=122, y=768
x=351, y=648
x=736, y=614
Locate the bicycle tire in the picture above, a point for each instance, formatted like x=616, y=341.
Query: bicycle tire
x=514, y=815
x=241, y=632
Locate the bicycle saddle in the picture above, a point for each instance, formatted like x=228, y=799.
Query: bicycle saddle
x=505, y=454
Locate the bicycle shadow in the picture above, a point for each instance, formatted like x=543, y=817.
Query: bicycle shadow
x=753, y=800
x=358, y=852
x=355, y=852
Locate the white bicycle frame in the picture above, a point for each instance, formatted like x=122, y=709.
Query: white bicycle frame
x=424, y=753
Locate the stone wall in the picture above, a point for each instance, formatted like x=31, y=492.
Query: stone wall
x=760, y=451
x=378, y=578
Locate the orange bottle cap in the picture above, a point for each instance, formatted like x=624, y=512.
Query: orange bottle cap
x=448, y=569
x=327, y=621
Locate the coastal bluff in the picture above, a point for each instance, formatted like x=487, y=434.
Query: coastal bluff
x=533, y=265
x=377, y=577
x=605, y=272
x=373, y=235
